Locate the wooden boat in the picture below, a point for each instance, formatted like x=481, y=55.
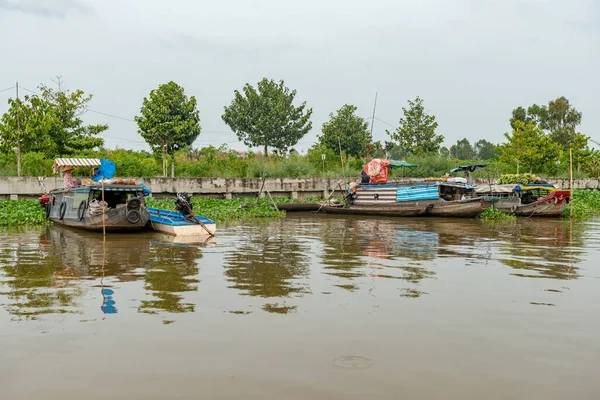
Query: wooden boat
x=530, y=200
x=411, y=200
x=175, y=224
x=80, y=207
x=298, y=206
x=182, y=222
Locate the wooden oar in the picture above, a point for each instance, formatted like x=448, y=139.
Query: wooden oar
x=330, y=194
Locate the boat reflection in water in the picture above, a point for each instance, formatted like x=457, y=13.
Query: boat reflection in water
x=49, y=270
x=274, y=264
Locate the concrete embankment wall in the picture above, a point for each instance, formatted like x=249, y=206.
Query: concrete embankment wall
x=12, y=187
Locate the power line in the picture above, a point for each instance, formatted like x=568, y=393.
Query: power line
x=4, y=90
x=110, y=115
x=30, y=91
x=387, y=123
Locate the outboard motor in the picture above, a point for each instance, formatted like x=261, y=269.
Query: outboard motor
x=184, y=205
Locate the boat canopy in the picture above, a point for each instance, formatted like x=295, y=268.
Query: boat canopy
x=470, y=168
x=495, y=189
x=401, y=164
x=534, y=186
x=60, y=163
x=377, y=168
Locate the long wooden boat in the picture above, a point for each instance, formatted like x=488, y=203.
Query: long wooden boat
x=531, y=200
x=81, y=207
x=298, y=206
x=412, y=200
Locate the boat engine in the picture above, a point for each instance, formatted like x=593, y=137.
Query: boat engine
x=184, y=205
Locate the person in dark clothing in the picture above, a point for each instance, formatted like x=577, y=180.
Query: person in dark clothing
x=365, y=178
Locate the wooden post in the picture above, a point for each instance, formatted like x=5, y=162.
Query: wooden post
x=103, y=216
x=272, y=201
x=571, y=183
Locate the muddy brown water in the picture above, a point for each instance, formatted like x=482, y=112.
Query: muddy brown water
x=309, y=307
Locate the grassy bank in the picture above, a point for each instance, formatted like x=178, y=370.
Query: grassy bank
x=21, y=212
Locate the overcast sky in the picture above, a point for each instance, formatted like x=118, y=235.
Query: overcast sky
x=472, y=61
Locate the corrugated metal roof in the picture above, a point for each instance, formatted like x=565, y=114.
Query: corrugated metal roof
x=75, y=162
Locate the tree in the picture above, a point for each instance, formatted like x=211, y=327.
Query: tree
x=267, y=117
x=416, y=131
x=347, y=132
x=559, y=119
x=444, y=152
x=462, y=150
x=582, y=153
x=24, y=127
x=68, y=132
x=485, y=150
x=168, y=121
x=527, y=144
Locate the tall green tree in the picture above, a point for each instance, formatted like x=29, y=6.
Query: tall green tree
x=528, y=145
x=347, y=132
x=24, y=127
x=168, y=121
x=485, y=150
x=463, y=150
x=68, y=132
x=559, y=119
x=416, y=131
x=267, y=117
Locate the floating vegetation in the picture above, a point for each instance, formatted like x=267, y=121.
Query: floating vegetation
x=494, y=215
x=222, y=210
x=585, y=203
x=22, y=212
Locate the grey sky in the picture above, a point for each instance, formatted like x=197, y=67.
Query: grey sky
x=472, y=61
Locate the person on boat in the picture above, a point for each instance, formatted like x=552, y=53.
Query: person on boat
x=469, y=177
x=68, y=180
x=364, y=177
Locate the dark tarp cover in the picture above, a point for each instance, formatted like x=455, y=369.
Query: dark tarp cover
x=469, y=168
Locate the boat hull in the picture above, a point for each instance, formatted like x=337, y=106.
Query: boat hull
x=174, y=224
x=115, y=221
x=184, y=230
x=551, y=205
x=455, y=209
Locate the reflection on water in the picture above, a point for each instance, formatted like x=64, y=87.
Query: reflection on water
x=313, y=306
x=51, y=270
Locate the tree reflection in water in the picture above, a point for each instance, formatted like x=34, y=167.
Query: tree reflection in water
x=36, y=279
x=171, y=272
x=538, y=248
x=269, y=261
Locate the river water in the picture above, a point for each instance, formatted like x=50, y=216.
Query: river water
x=309, y=307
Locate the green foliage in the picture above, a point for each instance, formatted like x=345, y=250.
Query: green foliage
x=24, y=127
x=559, y=119
x=585, y=203
x=528, y=145
x=416, y=131
x=168, y=121
x=485, y=150
x=68, y=133
x=347, y=131
x=463, y=150
x=21, y=212
x=515, y=179
x=267, y=117
x=224, y=210
x=494, y=215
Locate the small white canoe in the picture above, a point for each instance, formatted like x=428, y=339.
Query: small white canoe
x=175, y=224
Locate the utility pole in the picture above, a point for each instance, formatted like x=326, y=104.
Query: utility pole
x=18, y=133
x=373, y=119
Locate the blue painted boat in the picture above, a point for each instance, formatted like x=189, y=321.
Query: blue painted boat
x=174, y=223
